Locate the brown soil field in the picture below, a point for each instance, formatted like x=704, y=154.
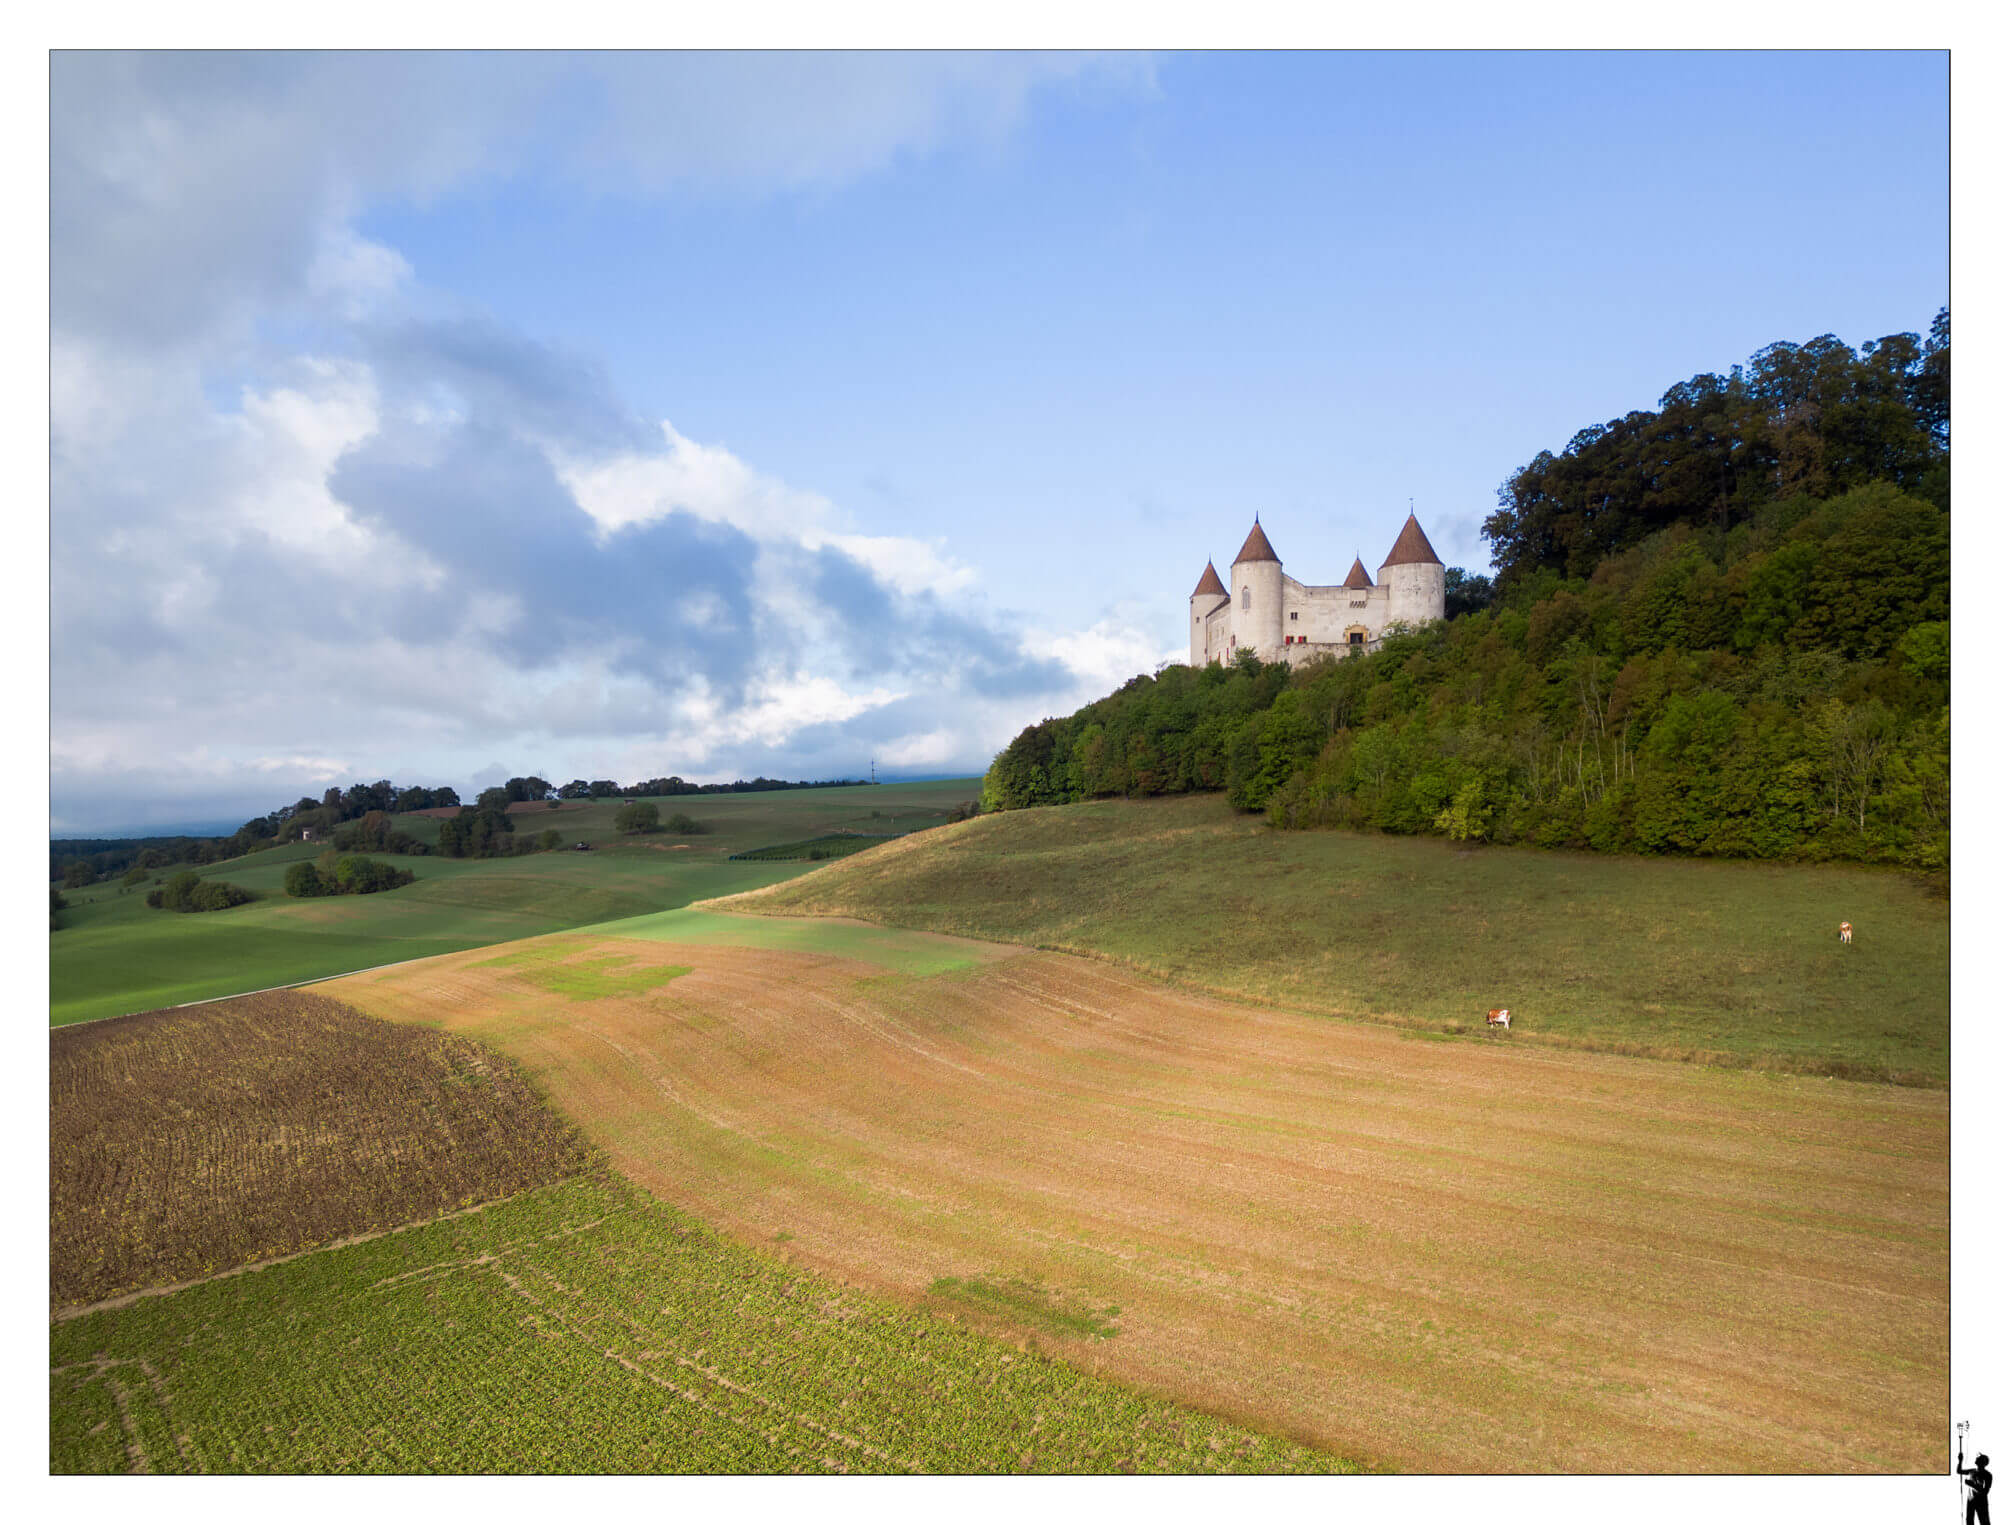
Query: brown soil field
x=185, y=1143
x=1459, y=1255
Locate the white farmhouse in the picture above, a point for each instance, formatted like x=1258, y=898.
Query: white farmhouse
x=1284, y=620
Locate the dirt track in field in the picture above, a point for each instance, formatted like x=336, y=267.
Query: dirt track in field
x=1453, y=1256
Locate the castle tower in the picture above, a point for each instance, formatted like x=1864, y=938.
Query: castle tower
x=1415, y=577
x=1208, y=595
x=1257, y=597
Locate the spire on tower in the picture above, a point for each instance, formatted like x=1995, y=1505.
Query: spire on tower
x=1256, y=547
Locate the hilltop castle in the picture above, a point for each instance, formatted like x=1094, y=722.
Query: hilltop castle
x=1285, y=620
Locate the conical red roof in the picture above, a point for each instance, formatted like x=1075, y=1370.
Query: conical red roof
x=1357, y=576
x=1411, y=546
x=1209, y=583
x=1255, y=548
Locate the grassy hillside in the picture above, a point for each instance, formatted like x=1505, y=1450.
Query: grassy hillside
x=113, y=955
x=1683, y=958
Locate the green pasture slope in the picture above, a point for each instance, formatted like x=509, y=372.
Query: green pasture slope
x=584, y=1327
x=114, y=955
x=1717, y=961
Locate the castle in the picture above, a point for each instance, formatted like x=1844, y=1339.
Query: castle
x=1285, y=620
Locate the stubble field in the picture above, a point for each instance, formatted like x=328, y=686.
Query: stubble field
x=1459, y=1254
x=182, y=1143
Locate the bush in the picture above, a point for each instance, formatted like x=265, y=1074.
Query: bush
x=551, y=840
x=684, y=823
x=364, y=876
x=188, y=891
x=135, y=876
x=216, y=895
x=637, y=816
x=343, y=876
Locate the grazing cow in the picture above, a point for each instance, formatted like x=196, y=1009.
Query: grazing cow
x=1500, y=1018
x=1847, y=931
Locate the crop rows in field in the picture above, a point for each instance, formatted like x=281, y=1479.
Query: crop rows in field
x=183, y=1143
x=586, y=1327
x=839, y=844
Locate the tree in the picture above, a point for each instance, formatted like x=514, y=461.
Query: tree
x=79, y=874
x=637, y=816
x=302, y=882
x=1465, y=594
x=551, y=839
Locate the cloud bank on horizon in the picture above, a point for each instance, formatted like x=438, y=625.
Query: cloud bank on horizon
x=315, y=521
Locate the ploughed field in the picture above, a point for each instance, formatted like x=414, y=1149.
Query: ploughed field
x=574, y=1324
x=186, y=1142
x=1455, y=1253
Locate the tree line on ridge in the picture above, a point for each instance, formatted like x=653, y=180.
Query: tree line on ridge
x=1721, y=628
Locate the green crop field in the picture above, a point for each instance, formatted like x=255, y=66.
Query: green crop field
x=585, y=1327
x=113, y=955
x=1718, y=961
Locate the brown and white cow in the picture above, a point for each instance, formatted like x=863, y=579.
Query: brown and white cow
x=1847, y=931
x=1500, y=1018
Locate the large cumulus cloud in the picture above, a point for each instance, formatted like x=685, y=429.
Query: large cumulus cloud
x=312, y=521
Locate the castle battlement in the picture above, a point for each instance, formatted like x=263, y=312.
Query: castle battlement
x=1284, y=620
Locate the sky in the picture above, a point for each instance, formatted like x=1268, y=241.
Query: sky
x=444, y=417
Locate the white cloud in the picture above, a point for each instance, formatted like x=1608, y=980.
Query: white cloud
x=1105, y=655
x=356, y=276
x=713, y=484
x=280, y=562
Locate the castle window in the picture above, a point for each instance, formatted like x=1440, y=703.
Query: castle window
x=1295, y=614
x=1246, y=600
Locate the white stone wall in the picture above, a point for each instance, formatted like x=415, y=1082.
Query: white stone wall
x=1416, y=592
x=1257, y=607
x=1318, y=620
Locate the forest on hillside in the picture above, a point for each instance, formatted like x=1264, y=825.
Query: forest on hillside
x=1719, y=628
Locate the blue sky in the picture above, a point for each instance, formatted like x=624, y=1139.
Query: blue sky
x=441, y=417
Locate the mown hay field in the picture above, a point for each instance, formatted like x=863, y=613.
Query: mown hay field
x=1719, y=962
x=585, y=1327
x=1426, y=1252
x=182, y=1143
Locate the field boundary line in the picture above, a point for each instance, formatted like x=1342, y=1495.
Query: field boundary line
x=236, y=995
x=320, y=979
x=127, y=1299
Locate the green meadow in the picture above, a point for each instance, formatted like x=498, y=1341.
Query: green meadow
x=114, y=955
x=1699, y=959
